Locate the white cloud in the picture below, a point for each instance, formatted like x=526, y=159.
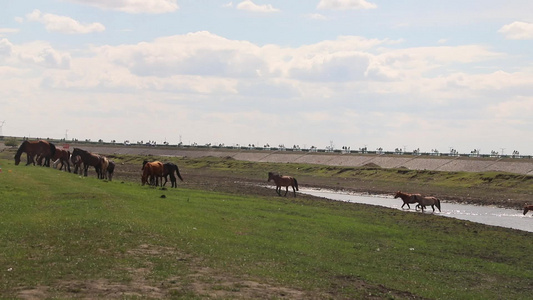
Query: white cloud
x=4, y=31
x=317, y=17
x=133, y=6
x=35, y=53
x=250, y=6
x=518, y=31
x=62, y=24
x=345, y=4
x=6, y=48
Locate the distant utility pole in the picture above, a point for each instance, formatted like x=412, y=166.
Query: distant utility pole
x=1, y=126
x=66, y=135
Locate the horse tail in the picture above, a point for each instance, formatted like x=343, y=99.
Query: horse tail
x=437, y=203
x=178, y=172
x=296, y=184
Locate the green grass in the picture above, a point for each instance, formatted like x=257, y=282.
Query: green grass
x=57, y=227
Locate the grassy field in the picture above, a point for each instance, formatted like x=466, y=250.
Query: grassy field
x=65, y=236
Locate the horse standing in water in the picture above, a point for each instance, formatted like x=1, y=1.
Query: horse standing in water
x=407, y=198
x=285, y=181
x=36, y=148
x=169, y=169
x=152, y=171
x=527, y=208
x=88, y=159
x=425, y=201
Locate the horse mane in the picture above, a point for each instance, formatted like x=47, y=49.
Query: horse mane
x=21, y=149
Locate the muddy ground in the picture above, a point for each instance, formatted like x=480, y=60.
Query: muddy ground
x=245, y=184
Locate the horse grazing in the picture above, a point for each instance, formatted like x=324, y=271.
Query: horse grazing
x=425, y=201
x=36, y=148
x=62, y=157
x=285, y=181
x=527, y=208
x=152, y=171
x=88, y=159
x=170, y=169
x=407, y=198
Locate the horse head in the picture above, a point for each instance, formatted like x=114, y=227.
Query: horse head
x=527, y=208
x=398, y=194
x=270, y=176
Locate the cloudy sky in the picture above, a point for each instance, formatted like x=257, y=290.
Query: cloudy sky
x=355, y=73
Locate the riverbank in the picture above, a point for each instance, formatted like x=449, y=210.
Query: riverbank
x=220, y=169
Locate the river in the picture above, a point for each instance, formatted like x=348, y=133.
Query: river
x=490, y=215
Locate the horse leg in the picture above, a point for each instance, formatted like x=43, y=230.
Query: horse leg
x=278, y=190
x=293, y=190
x=173, y=180
x=286, y=191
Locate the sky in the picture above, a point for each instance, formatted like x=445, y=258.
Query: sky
x=428, y=75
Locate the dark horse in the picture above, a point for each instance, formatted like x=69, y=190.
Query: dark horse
x=170, y=169
x=88, y=160
x=527, y=208
x=285, y=181
x=110, y=170
x=36, y=148
x=407, y=198
x=425, y=201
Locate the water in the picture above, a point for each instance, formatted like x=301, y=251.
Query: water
x=490, y=215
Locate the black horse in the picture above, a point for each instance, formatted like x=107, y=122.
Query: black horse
x=170, y=169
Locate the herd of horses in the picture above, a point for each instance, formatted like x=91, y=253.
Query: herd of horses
x=42, y=153
x=154, y=172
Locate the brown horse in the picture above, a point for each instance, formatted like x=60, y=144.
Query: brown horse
x=152, y=170
x=527, y=208
x=63, y=157
x=89, y=159
x=35, y=148
x=285, y=181
x=425, y=201
x=407, y=198
x=170, y=169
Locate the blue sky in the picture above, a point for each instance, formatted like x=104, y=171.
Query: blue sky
x=356, y=73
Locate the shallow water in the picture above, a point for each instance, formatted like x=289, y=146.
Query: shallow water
x=490, y=215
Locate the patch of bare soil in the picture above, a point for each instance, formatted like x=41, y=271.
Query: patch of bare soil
x=202, y=282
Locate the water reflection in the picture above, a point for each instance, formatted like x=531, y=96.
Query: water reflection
x=489, y=215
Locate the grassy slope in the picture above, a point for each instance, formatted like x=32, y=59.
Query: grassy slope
x=58, y=227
